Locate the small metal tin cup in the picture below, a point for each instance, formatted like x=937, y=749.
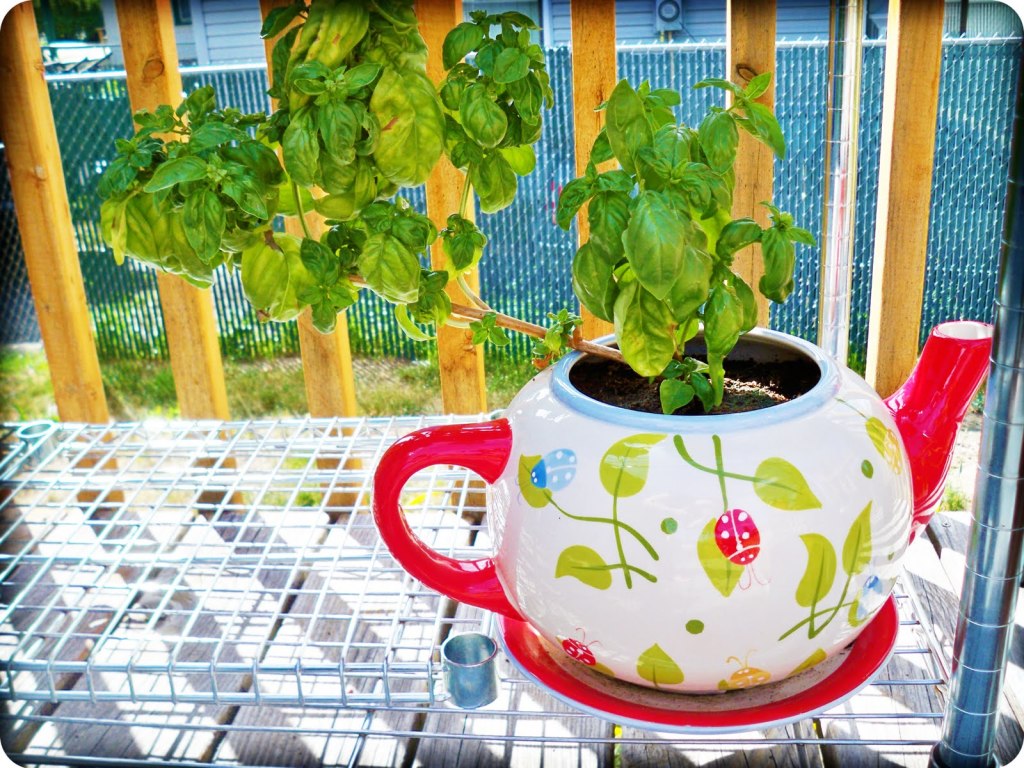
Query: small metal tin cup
x=469, y=669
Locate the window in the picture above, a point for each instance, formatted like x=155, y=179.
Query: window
x=182, y=12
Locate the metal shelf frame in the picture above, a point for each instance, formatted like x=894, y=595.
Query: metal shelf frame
x=168, y=577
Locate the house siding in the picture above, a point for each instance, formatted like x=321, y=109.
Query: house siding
x=232, y=31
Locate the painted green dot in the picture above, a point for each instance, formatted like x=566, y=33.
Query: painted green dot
x=669, y=525
x=866, y=468
x=695, y=626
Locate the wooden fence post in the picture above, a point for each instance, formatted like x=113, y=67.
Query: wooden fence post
x=44, y=221
x=326, y=357
x=151, y=61
x=910, y=105
x=461, y=362
x=594, y=75
x=750, y=50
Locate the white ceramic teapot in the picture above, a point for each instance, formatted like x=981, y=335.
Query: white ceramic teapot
x=698, y=553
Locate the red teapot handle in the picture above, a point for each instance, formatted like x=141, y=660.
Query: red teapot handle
x=483, y=448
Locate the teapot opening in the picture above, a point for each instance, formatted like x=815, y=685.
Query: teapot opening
x=761, y=373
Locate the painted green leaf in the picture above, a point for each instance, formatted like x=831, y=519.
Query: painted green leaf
x=533, y=495
x=723, y=573
x=604, y=670
x=781, y=485
x=584, y=564
x=821, y=570
x=625, y=465
x=814, y=659
x=857, y=547
x=886, y=443
x=658, y=668
x=854, y=618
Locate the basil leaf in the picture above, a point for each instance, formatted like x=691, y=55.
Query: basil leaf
x=483, y=120
x=800, y=235
x=723, y=321
x=626, y=124
x=510, y=65
x=643, y=330
x=114, y=227
x=571, y=199
x=674, y=394
x=718, y=82
x=213, y=135
x=279, y=62
x=318, y=260
x=204, y=223
x=736, y=235
x=690, y=289
x=719, y=139
x=767, y=128
x=593, y=281
x=408, y=109
x=746, y=297
x=527, y=96
x=176, y=171
x=601, y=152
x=757, y=85
x=494, y=181
x=522, y=159
x=248, y=193
x=608, y=215
x=390, y=269
x=653, y=243
x=779, y=262
x=279, y=18
x=301, y=148
x=339, y=128
x=362, y=74
x=461, y=41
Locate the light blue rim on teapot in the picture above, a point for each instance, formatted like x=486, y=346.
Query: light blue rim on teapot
x=820, y=394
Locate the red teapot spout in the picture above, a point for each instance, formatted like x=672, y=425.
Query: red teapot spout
x=932, y=403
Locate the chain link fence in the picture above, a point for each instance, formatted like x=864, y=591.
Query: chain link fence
x=526, y=271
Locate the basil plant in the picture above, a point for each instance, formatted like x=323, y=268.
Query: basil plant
x=356, y=121
x=658, y=262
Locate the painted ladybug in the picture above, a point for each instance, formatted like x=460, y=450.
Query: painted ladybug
x=555, y=471
x=746, y=675
x=579, y=650
x=737, y=537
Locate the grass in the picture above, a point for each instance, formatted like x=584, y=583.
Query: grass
x=140, y=389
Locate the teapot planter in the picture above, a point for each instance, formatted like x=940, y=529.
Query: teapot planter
x=698, y=553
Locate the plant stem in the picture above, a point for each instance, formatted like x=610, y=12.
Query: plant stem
x=302, y=213
x=618, y=535
x=464, y=202
x=472, y=295
x=537, y=331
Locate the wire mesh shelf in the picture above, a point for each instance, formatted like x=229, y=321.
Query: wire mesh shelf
x=204, y=586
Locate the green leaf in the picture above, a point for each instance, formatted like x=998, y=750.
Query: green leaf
x=657, y=667
x=573, y=196
x=601, y=152
x=723, y=320
x=204, y=223
x=811, y=661
x=747, y=302
x=721, y=571
x=528, y=97
x=857, y=547
x=494, y=181
x=114, y=227
x=643, y=327
x=820, y=573
x=608, y=214
x=483, y=120
x=800, y=235
x=362, y=74
x=176, y=171
x=757, y=85
x=719, y=139
x=717, y=82
x=690, y=290
x=593, y=281
x=390, y=269
x=248, y=193
x=339, y=127
x=213, y=135
x=625, y=465
x=736, y=235
x=301, y=148
x=279, y=18
x=521, y=159
x=511, y=65
x=626, y=124
x=412, y=126
x=653, y=243
x=886, y=443
x=674, y=394
x=767, y=128
x=779, y=263
x=584, y=564
x=409, y=328
x=781, y=485
x=534, y=496
x=461, y=41
x=853, y=617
